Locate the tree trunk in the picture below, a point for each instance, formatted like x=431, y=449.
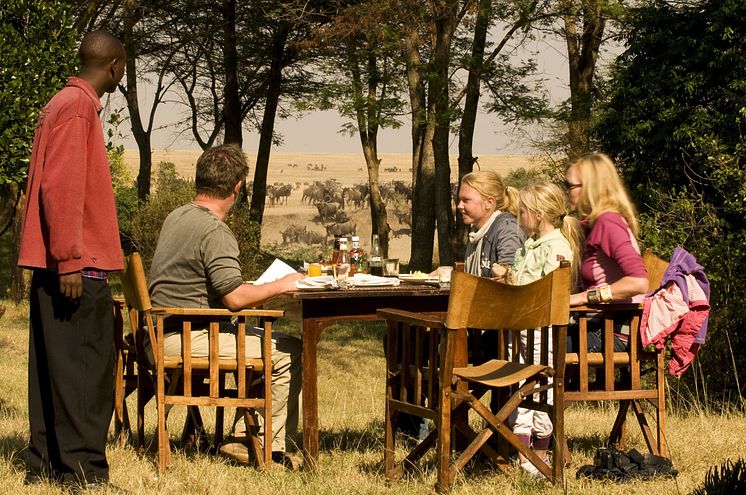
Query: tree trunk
x=18, y=276
x=10, y=195
x=466, y=157
x=232, y=105
x=582, y=52
x=423, y=166
x=366, y=108
x=142, y=137
x=441, y=120
x=259, y=193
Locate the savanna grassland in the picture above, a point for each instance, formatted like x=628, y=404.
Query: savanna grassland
x=351, y=393
x=302, y=169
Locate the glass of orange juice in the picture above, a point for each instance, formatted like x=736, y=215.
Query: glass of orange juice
x=314, y=270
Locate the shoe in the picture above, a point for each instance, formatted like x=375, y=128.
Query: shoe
x=35, y=479
x=291, y=462
x=237, y=451
x=38, y=477
x=532, y=470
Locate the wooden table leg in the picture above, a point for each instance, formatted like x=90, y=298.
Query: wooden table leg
x=310, y=394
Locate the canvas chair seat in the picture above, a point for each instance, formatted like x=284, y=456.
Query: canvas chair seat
x=501, y=373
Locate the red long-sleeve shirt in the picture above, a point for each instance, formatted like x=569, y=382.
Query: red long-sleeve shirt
x=70, y=219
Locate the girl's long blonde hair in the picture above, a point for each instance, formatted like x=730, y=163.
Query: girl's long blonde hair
x=551, y=201
x=489, y=184
x=603, y=190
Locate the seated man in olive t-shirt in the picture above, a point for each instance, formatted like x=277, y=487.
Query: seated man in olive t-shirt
x=196, y=265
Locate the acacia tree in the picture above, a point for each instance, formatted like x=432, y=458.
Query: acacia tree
x=444, y=44
x=144, y=31
x=675, y=121
x=358, y=54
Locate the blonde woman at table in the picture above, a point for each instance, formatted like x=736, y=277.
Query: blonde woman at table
x=611, y=269
x=553, y=236
x=490, y=208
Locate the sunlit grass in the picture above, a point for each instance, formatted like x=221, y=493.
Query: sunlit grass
x=351, y=389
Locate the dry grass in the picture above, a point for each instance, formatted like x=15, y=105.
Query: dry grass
x=351, y=412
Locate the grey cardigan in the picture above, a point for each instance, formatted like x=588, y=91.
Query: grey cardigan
x=500, y=243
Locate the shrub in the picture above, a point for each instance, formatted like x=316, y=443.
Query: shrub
x=147, y=221
x=253, y=261
x=522, y=177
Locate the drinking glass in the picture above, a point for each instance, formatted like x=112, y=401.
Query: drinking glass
x=314, y=270
x=391, y=267
x=444, y=276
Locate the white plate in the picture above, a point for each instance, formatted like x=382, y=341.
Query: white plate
x=411, y=279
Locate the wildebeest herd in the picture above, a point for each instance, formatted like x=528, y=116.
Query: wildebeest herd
x=335, y=207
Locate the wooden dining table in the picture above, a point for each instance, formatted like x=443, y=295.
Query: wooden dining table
x=319, y=309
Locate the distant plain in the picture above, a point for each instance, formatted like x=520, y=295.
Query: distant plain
x=302, y=169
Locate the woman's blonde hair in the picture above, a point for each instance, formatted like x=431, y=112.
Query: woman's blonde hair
x=603, y=190
x=489, y=184
x=551, y=201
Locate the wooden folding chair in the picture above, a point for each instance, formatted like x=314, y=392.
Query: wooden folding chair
x=179, y=378
x=619, y=376
x=125, y=371
x=479, y=303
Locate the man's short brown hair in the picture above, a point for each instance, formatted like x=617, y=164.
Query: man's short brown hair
x=219, y=169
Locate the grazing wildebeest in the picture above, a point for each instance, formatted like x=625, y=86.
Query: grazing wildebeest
x=404, y=217
x=347, y=228
x=354, y=197
x=341, y=217
x=281, y=193
x=293, y=234
x=326, y=210
x=311, y=237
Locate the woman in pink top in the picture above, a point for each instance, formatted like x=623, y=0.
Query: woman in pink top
x=611, y=268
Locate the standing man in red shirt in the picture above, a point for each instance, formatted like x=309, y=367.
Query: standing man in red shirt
x=71, y=241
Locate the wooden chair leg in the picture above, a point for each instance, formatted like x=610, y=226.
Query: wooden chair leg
x=443, y=448
x=647, y=434
x=253, y=442
x=616, y=437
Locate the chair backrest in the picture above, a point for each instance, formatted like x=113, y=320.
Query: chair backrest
x=477, y=302
x=134, y=283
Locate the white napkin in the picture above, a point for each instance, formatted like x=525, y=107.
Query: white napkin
x=322, y=282
x=365, y=280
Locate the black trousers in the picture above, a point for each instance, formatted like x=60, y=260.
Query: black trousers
x=70, y=380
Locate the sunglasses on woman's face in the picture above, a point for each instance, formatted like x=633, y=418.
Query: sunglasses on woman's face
x=570, y=186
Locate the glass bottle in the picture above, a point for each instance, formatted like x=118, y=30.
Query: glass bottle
x=335, y=249
x=375, y=262
x=342, y=268
x=356, y=256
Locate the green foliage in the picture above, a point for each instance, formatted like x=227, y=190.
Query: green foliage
x=522, y=177
x=37, y=42
x=145, y=225
x=166, y=176
x=296, y=254
x=675, y=123
x=125, y=192
x=253, y=261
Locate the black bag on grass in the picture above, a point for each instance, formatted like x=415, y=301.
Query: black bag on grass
x=613, y=464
